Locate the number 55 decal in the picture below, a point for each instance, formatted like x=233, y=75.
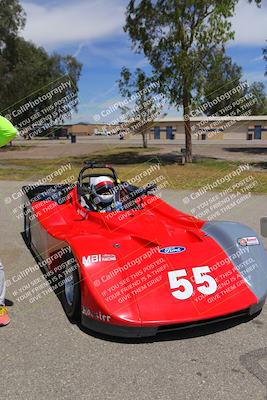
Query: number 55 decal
x=205, y=283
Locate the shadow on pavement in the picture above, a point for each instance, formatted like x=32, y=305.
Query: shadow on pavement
x=247, y=150
x=134, y=157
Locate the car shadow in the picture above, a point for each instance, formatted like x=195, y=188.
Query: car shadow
x=181, y=334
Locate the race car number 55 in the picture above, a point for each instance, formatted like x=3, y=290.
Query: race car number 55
x=205, y=284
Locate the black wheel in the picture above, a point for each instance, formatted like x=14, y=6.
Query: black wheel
x=27, y=224
x=69, y=293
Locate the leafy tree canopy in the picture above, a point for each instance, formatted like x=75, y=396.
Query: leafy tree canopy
x=224, y=83
x=28, y=71
x=179, y=38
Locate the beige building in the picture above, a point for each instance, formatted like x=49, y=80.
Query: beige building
x=212, y=128
x=203, y=128
x=85, y=129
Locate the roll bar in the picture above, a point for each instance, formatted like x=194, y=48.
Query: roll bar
x=92, y=165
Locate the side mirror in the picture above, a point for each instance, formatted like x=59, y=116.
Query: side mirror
x=264, y=226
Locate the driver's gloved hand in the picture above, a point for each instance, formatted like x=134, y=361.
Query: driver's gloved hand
x=119, y=206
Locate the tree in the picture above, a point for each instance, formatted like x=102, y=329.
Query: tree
x=225, y=85
x=138, y=89
x=257, y=92
x=12, y=19
x=179, y=37
x=258, y=2
x=28, y=71
x=221, y=76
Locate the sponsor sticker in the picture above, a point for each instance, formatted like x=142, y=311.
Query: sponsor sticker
x=249, y=241
x=95, y=314
x=95, y=258
x=172, y=250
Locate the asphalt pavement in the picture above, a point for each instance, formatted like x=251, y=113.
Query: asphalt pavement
x=44, y=356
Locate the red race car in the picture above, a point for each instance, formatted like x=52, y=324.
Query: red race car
x=127, y=264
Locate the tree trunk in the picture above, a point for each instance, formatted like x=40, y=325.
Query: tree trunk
x=144, y=136
x=187, y=125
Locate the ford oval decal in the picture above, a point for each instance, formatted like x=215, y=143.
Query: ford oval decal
x=172, y=250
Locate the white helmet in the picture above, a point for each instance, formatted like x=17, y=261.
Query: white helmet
x=102, y=189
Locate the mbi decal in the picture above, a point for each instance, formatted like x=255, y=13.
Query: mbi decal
x=95, y=258
x=172, y=250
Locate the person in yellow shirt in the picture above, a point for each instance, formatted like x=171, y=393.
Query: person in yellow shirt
x=7, y=133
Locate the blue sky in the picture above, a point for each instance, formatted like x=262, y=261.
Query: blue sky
x=92, y=30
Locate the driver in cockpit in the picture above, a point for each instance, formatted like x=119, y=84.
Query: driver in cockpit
x=102, y=195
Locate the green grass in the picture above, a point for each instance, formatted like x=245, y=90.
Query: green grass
x=132, y=161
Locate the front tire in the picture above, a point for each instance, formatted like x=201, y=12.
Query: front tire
x=70, y=293
x=27, y=224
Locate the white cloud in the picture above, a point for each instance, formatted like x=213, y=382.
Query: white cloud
x=85, y=20
x=250, y=24
x=113, y=54
x=253, y=76
x=257, y=59
x=81, y=20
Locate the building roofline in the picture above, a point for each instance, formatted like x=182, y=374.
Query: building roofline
x=181, y=119
x=218, y=118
